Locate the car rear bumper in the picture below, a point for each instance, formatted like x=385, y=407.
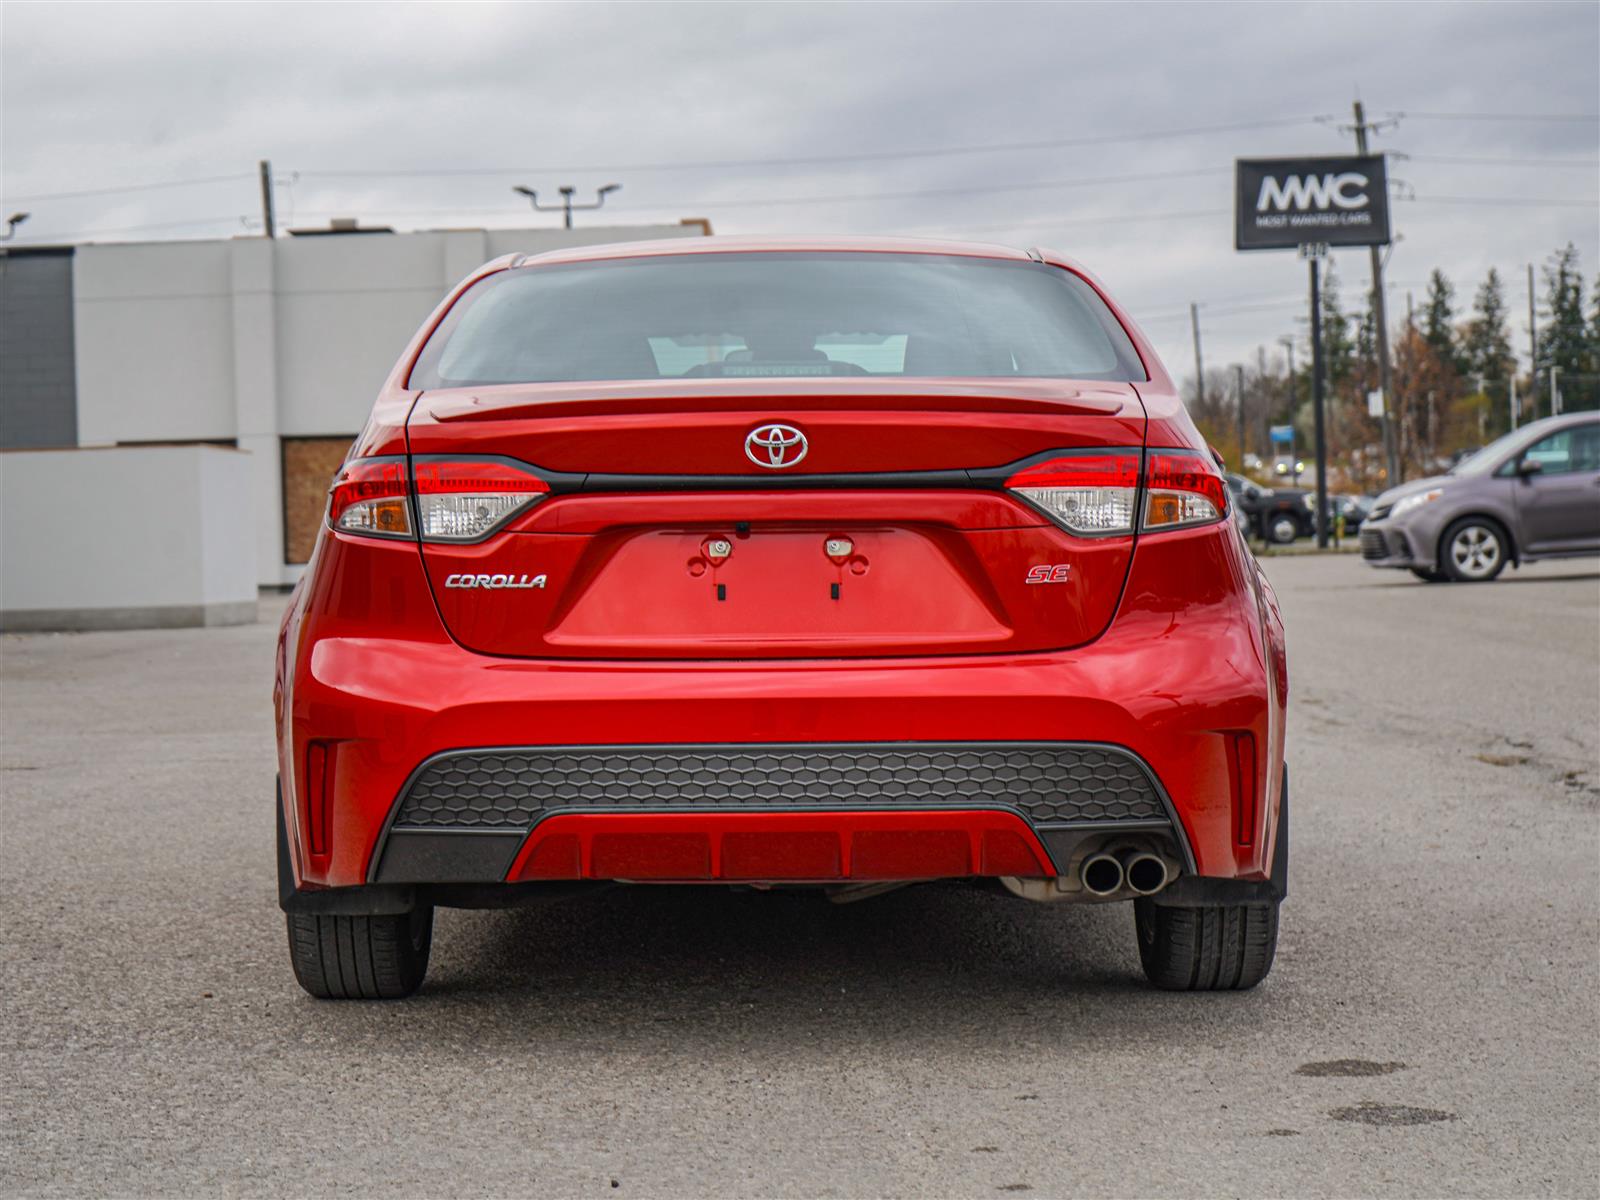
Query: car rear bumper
x=1168, y=726
x=801, y=811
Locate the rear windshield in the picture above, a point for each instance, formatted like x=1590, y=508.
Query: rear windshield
x=777, y=315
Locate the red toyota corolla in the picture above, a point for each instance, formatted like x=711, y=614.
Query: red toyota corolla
x=832, y=564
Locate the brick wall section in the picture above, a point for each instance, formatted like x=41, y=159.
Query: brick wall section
x=38, y=383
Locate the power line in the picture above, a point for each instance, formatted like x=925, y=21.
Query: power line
x=1055, y=222
x=838, y=198
x=1587, y=163
x=1510, y=201
x=129, y=187
x=1425, y=116
x=823, y=159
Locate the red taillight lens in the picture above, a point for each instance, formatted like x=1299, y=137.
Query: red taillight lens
x=462, y=500
x=1083, y=493
x=369, y=497
x=458, y=500
x=1099, y=493
x=1182, y=488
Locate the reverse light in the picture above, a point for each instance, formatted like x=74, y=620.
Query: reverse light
x=457, y=500
x=1099, y=493
x=1182, y=489
x=1083, y=493
x=369, y=497
x=462, y=500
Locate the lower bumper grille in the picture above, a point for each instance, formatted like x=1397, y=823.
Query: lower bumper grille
x=1377, y=545
x=1049, y=783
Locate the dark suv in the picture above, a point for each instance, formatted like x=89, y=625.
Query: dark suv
x=1532, y=494
x=1275, y=514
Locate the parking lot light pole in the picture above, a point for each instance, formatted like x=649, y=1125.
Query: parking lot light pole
x=566, y=206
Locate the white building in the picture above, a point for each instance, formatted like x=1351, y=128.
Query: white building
x=274, y=347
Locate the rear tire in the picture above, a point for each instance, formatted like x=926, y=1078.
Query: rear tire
x=361, y=958
x=1209, y=948
x=1430, y=576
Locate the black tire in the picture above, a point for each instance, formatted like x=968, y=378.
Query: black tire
x=361, y=958
x=1212, y=948
x=1281, y=529
x=1428, y=576
x=1474, y=568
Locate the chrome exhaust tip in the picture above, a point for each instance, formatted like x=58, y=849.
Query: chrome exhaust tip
x=1146, y=873
x=1101, y=875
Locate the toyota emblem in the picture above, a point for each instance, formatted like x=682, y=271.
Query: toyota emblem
x=775, y=446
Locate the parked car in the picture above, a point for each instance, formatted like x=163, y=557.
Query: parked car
x=1277, y=515
x=1355, y=510
x=1532, y=494
x=838, y=565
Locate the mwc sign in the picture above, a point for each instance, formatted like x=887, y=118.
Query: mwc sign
x=1286, y=202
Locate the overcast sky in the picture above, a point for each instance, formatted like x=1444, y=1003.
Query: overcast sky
x=107, y=96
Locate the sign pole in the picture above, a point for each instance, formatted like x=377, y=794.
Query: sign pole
x=1312, y=204
x=1313, y=255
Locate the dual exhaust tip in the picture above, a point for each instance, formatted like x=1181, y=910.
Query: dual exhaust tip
x=1141, y=872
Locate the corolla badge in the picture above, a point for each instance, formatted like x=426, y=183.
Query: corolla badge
x=775, y=446
x=494, y=581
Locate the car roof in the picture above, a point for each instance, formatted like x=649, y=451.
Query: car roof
x=722, y=244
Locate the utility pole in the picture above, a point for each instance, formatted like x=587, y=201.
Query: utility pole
x=1199, y=369
x=268, y=213
x=1313, y=255
x=1514, y=404
x=1533, y=346
x=1380, y=318
x=1238, y=391
x=1294, y=397
x=1555, y=391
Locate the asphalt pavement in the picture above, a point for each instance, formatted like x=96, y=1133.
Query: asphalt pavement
x=1432, y=1026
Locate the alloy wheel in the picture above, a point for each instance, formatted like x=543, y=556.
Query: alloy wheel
x=1475, y=550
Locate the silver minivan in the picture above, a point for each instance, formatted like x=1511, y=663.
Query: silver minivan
x=1532, y=494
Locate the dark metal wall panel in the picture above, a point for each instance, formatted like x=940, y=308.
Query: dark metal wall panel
x=38, y=381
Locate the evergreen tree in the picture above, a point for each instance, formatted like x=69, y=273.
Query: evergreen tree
x=1594, y=330
x=1563, y=334
x=1486, y=348
x=1338, y=348
x=1438, y=318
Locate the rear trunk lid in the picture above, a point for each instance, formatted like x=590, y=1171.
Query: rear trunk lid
x=670, y=534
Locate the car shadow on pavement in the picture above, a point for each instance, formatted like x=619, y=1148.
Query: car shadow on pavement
x=637, y=964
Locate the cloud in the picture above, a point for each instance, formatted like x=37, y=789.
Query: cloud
x=101, y=95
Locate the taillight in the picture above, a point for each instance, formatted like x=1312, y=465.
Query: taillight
x=457, y=500
x=462, y=500
x=1083, y=493
x=1182, y=488
x=1099, y=493
x=369, y=497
